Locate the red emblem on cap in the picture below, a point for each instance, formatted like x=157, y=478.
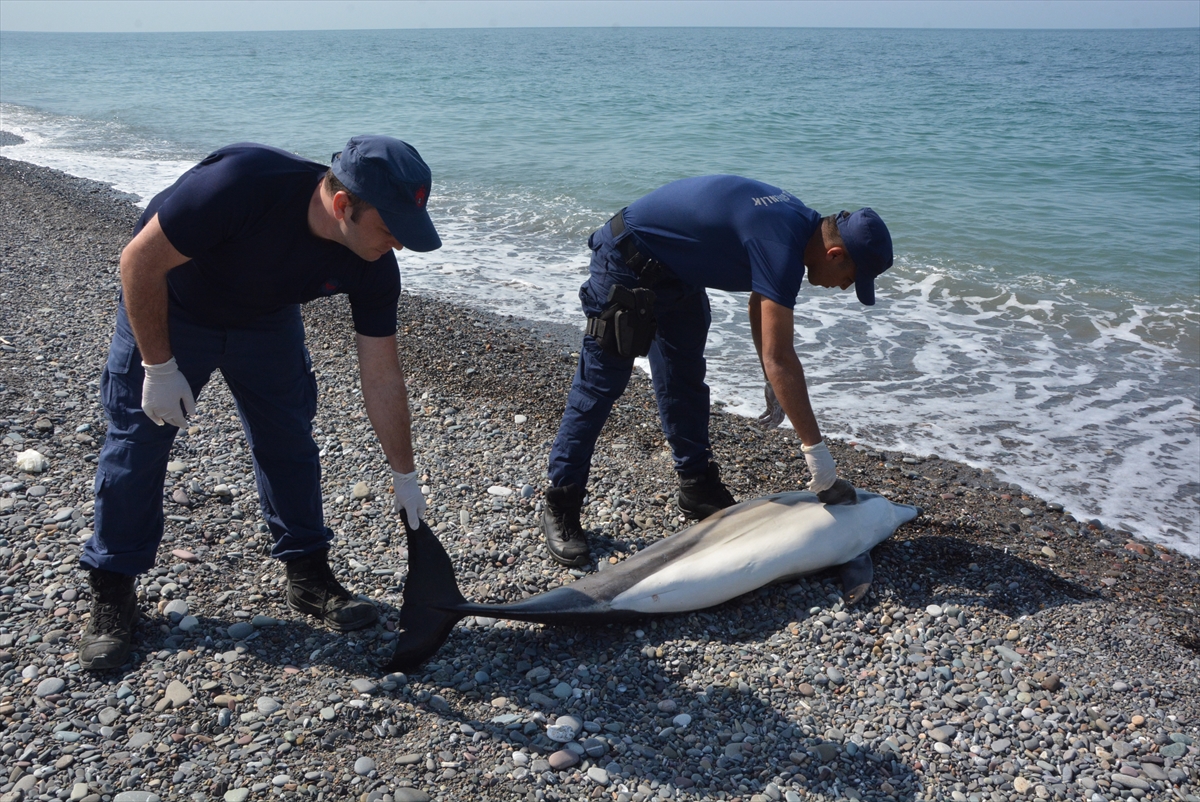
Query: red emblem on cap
x=420, y=196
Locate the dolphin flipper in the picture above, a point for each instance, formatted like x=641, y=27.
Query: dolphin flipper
x=431, y=601
x=856, y=577
x=841, y=492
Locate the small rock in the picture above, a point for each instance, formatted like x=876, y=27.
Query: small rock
x=361, y=491
x=942, y=734
x=560, y=734
x=178, y=694
x=241, y=630
x=364, y=766
x=175, y=610
x=563, y=759
x=49, y=687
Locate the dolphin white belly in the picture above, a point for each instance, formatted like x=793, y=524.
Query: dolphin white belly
x=760, y=542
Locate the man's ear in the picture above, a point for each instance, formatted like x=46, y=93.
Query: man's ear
x=836, y=254
x=341, y=205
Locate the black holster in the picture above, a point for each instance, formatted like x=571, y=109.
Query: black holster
x=627, y=325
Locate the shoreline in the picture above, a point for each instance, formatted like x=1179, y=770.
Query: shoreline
x=1155, y=514
x=1084, y=605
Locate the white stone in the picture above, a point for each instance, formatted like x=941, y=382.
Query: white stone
x=560, y=734
x=497, y=490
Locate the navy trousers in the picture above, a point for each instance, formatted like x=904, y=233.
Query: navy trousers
x=676, y=367
x=269, y=372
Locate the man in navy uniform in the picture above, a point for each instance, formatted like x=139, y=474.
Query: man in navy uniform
x=645, y=296
x=213, y=280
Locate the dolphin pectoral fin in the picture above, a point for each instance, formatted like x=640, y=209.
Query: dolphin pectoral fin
x=431, y=600
x=856, y=577
x=840, y=492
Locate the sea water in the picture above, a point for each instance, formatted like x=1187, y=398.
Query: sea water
x=1042, y=319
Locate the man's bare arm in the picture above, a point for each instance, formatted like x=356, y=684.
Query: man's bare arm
x=145, y=263
x=386, y=399
x=775, y=326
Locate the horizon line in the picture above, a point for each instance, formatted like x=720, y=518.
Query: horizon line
x=4, y=30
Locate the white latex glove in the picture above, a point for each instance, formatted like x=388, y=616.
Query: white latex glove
x=774, y=414
x=166, y=394
x=820, y=465
x=408, y=497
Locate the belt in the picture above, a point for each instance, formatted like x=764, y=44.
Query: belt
x=636, y=260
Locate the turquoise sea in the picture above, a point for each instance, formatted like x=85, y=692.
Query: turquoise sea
x=1042, y=187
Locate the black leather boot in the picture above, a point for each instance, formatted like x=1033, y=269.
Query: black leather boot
x=703, y=494
x=565, y=538
x=313, y=589
x=106, y=640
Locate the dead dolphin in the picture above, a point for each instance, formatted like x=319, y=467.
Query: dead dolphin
x=732, y=552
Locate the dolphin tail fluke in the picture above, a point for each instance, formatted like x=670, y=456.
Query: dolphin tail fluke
x=431, y=601
x=856, y=577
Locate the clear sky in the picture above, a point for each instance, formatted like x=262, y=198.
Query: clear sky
x=257, y=15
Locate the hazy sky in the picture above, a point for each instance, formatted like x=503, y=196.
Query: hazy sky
x=245, y=15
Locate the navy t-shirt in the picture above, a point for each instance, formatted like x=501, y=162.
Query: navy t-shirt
x=241, y=216
x=728, y=233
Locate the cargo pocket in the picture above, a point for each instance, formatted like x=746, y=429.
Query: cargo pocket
x=120, y=354
x=121, y=392
x=577, y=399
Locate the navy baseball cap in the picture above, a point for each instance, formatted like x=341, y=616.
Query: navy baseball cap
x=391, y=176
x=870, y=246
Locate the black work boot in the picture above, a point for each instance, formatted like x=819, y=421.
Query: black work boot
x=565, y=538
x=105, y=642
x=312, y=589
x=703, y=494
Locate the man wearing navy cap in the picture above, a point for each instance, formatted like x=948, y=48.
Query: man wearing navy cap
x=645, y=296
x=213, y=280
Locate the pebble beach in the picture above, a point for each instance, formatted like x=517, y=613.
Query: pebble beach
x=1008, y=649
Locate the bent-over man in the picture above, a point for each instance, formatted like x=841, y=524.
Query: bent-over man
x=213, y=280
x=645, y=296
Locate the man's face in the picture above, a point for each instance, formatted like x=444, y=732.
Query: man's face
x=367, y=236
x=832, y=273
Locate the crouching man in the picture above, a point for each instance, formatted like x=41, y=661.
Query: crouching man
x=213, y=280
x=645, y=296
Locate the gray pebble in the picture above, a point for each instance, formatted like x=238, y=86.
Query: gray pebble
x=50, y=686
x=241, y=630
